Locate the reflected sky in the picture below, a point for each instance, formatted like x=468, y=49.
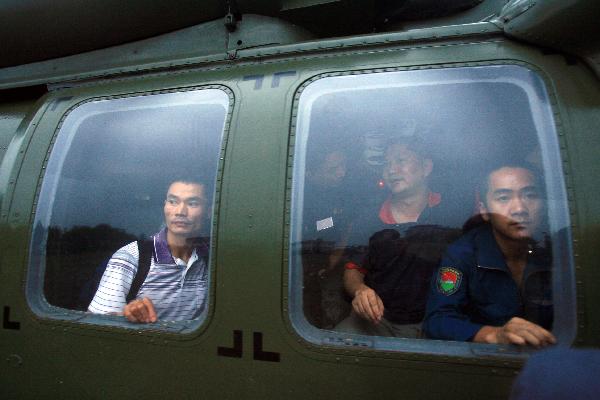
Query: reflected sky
x=113, y=160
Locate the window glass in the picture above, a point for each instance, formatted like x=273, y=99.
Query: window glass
x=104, y=194
x=409, y=190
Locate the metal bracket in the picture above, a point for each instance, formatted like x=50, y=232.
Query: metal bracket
x=232, y=17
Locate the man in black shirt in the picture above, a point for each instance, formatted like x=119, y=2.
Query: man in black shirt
x=389, y=282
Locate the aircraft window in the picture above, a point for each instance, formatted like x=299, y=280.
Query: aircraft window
x=126, y=179
x=398, y=179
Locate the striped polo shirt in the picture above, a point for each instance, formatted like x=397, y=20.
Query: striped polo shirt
x=177, y=289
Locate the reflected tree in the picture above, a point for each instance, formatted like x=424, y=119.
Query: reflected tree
x=72, y=257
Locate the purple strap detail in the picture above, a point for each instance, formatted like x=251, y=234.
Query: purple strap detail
x=161, y=248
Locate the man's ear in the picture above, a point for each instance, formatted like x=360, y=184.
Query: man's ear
x=483, y=212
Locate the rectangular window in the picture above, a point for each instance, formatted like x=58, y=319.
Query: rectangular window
x=409, y=187
x=125, y=177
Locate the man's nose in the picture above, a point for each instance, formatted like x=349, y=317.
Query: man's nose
x=181, y=209
x=519, y=206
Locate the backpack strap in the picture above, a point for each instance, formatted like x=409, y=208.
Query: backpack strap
x=145, y=249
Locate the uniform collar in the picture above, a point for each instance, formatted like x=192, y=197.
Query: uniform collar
x=163, y=254
x=490, y=256
x=386, y=216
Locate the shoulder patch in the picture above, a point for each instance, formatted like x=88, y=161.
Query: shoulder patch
x=448, y=280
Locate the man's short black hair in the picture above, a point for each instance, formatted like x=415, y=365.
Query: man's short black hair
x=414, y=143
x=484, y=181
x=189, y=179
x=193, y=180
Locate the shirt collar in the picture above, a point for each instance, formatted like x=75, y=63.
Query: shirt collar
x=490, y=256
x=488, y=252
x=163, y=254
x=387, y=217
x=161, y=248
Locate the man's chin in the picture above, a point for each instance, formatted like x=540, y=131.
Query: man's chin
x=184, y=233
x=521, y=234
x=398, y=189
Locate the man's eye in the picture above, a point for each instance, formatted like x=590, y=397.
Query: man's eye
x=194, y=203
x=502, y=199
x=532, y=196
x=172, y=202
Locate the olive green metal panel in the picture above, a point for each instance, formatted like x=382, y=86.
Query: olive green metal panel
x=51, y=29
x=112, y=63
x=551, y=24
x=42, y=357
x=203, y=43
x=52, y=358
x=11, y=116
x=581, y=103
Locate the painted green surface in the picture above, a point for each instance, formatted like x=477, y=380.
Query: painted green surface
x=58, y=358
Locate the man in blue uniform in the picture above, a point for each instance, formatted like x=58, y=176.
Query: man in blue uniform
x=493, y=285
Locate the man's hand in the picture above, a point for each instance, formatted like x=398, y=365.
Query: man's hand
x=516, y=331
x=140, y=311
x=368, y=304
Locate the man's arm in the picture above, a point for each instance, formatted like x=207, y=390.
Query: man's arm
x=446, y=320
x=516, y=331
x=110, y=298
x=366, y=302
x=444, y=316
x=115, y=282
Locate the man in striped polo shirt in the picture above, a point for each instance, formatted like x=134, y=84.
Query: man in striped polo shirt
x=176, y=285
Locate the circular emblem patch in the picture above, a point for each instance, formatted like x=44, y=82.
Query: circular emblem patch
x=448, y=281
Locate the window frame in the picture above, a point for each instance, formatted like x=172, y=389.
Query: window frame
x=36, y=263
x=564, y=293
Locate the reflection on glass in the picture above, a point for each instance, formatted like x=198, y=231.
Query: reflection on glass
x=386, y=177
x=494, y=284
x=169, y=280
x=106, y=185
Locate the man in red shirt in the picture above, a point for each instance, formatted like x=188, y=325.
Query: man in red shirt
x=388, y=285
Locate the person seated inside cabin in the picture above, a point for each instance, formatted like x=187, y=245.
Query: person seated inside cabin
x=494, y=284
x=324, y=206
x=388, y=281
x=324, y=226
x=175, y=285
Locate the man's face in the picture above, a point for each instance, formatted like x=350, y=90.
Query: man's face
x=513, y=203
x=404, y=172
x=332, y=171
x=184, y=209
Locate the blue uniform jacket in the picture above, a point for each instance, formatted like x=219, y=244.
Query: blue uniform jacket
x=473, y=287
